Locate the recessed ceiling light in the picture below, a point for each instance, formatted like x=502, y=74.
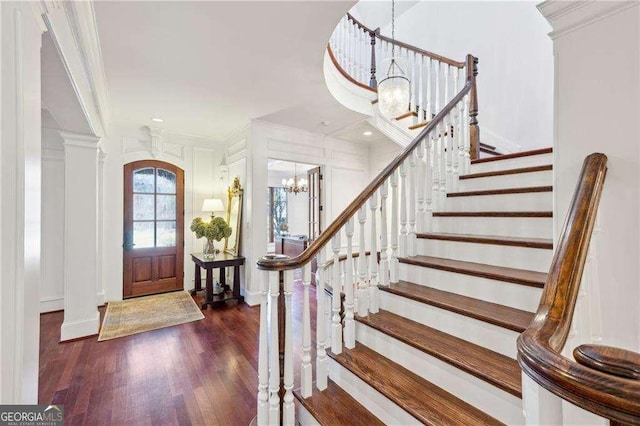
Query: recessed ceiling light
x=157, y=120
x=367, y=133
x=325, y=123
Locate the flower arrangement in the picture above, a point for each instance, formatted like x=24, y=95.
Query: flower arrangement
x=216, y=229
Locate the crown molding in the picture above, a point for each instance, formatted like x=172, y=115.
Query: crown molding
x=568, y=16
x=80, y=140
x=82, y=20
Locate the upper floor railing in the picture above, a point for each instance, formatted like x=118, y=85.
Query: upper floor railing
x=358, y=53
x=604, y=380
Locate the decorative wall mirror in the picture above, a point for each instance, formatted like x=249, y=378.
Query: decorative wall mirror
x=234, y=217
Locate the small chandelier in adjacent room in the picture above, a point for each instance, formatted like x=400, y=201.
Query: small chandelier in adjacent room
x=394, y=90
x=293, y=184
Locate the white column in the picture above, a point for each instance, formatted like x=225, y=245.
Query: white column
x=81, y=252
x=100, y=300
x=20, y=190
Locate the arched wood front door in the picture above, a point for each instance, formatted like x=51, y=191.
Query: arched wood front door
x=153, y=228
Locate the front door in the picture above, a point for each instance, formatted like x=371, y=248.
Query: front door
x=153, y=228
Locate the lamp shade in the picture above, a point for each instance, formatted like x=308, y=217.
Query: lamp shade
x=212, y=205
x=393, y=96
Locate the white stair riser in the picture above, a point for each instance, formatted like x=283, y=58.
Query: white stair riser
x=515, y=295
x=513, y=163
x=512, y=257
x=518, y=180
x=379, y=405
x=484, y=396
x=530, y=201
x=527, y=227
x=493, y=337
x=304, y=417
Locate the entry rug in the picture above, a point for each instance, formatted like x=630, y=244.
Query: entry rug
x=148, y=313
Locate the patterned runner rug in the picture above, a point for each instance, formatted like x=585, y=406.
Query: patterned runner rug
x=147, y=313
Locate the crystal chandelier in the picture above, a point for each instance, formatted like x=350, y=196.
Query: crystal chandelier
x=394, y=90
x=293, y=184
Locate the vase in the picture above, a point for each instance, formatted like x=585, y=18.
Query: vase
x=209, y=250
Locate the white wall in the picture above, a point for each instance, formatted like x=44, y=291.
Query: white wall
x=515, y=80
x=200, y=158
x=346, y=173
x=52, y=285
x=598, y=105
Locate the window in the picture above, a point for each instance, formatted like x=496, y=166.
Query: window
x=154, y=208
x=276, y=212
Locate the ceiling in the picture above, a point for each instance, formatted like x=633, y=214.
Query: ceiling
x=207, y=68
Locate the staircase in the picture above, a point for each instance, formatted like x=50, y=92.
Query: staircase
x=427, y=278
x=441, y=349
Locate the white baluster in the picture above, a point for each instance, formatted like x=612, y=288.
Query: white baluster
x=321, y=331
x=429, y=89
x=428, y=182
x=413, y=61
x=421, y=105
x=340, y=43
x=336, y=326
x=435, y=170
x=411, y=239
x=447, y=131
x=394, y=264
x=461, y=132
x=288, y=408
x=384, y=261
x=263, y=352
x=456, y=134
x=467, y=136
x=363, y=290
x=420, y=183
x=349, y=323
x=365, y=49
x=374, y=296
x=443, y=166
x=438, y=98
x=274, y=356
x=306, y=368
x=403, y=210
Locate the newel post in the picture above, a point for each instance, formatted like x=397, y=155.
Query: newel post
x=474, y=130
x=373, y=82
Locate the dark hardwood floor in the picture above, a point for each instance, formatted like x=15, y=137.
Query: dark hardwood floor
x=199, y=373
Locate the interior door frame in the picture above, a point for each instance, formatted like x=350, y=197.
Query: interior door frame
x=127, y=245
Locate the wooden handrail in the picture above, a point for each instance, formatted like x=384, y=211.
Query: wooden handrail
x=539, y=347
x=407, y=46
x=271, y=264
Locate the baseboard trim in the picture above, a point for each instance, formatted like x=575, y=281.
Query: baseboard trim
x=51, y=304
x=78, y=329
x=251, y=298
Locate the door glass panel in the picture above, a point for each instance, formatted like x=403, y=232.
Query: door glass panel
x=166, y=182
x=143, y=234
x=144, y=180
x=166, y=232
x=165, y=207
x=143, y=206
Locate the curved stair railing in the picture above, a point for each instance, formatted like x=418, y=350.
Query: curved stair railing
x=412, y=186
x=605, y=380
x=357, y=51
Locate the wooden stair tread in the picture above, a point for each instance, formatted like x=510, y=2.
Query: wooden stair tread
x=508, y=172
x=540, y=243
x=514, y=155
x=504, y=191
x=334, y=406
x=497, y=369
x=406, y=114
x=500, y=273
x=489, y=151
x=493, y=313
x=493, y=214
x=422, y=399
x=418, y=125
